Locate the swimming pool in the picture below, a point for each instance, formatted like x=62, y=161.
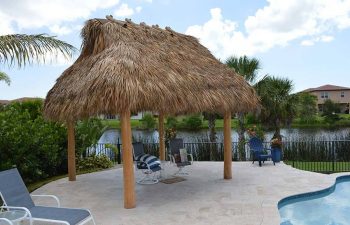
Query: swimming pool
x=330, y=206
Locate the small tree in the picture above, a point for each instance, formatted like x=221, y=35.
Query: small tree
x=148, y=121
x=307, y=107
x=330, y=110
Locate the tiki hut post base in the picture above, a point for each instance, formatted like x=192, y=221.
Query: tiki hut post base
x=71, y=152
x=128, y=164
x=227, y=146
x=161, y=136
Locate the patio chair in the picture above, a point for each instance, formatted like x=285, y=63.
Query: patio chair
x=4, y=221
x=15, y=196
x=148, y=164
x=176, y=145
x=259, y=153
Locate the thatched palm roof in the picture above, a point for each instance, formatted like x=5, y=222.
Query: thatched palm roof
x=126, y=65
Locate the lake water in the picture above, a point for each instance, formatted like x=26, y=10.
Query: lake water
x=292, y=134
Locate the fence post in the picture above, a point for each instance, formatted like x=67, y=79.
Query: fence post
x=118, y=154
x=333, y=152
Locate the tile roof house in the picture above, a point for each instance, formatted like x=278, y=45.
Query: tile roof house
x=337, y=94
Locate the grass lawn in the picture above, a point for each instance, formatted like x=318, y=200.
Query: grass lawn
x=115, y=124
x=323, y=167
x=319, y=122
x=33, y=186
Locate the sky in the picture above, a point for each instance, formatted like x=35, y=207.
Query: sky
x=306, y=41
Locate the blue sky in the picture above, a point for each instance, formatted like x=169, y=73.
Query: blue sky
x=303, y=40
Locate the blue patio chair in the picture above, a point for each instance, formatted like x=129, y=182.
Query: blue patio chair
x=15, y=196
x=175, y=145
x=259, y=153
x=148, y=164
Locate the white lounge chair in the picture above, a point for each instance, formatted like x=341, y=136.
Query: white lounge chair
x=15, y=196
x=175, y=145
x=148, y=164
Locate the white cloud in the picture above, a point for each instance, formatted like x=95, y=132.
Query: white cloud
x=123, y=11
x=327, y=38
x=307, y=42
x=138, y=9
x=276, y=24
x=323, y=38
x=221, y=36
x=43, y=13
x=60, y=30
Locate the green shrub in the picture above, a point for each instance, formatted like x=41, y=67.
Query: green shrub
x=88, y=132
x=251, y=119
x=171, y=122
x=95, y=162
x=38, y=148
x=193, y=122
x=148, y=121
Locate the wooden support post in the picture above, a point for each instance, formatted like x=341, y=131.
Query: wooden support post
x=128, y=165
x=227, y=146
x=71, y=152
x=161, y=136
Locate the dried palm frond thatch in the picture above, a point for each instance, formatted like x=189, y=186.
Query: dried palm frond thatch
x=125, y=65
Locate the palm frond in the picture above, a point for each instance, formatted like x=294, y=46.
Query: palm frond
x=22, y=49
x=5, y=77
x=246, y=67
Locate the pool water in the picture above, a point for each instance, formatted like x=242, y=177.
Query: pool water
x=327, y=207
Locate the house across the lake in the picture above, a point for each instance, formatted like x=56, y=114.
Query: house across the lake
x=337, y=94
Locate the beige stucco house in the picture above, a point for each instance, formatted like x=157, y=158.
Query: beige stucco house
x=340, y=95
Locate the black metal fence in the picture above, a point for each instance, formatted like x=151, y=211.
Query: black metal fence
x=318, y=156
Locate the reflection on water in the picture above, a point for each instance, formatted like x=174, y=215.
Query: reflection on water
x=292, y=134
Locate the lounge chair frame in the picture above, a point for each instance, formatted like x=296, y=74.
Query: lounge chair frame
x=32, y=219
x=151, y=176
x=175, y=146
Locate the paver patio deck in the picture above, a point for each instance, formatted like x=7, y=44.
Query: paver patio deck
x=250, y=198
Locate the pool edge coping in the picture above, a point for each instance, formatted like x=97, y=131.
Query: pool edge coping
x=284, y=201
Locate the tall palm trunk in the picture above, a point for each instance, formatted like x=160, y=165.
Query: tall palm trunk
x=241, y=138
x=212, y=135
x=277, y=133
x=211, y=126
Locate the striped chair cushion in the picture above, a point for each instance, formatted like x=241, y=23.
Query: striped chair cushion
x=148, y=159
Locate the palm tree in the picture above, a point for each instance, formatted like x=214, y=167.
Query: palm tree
x=22, y=49
x=279, y=105
x=244, y=66
x=247, y=68
x=5, y=77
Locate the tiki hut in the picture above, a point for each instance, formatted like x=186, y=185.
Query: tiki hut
x=126, y=67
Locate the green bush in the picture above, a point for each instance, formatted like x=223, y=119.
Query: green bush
x=38, y=148
x=251, y=119
x=171, y=122
x=95, y=162
x=193, y=122
x=148, y=121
